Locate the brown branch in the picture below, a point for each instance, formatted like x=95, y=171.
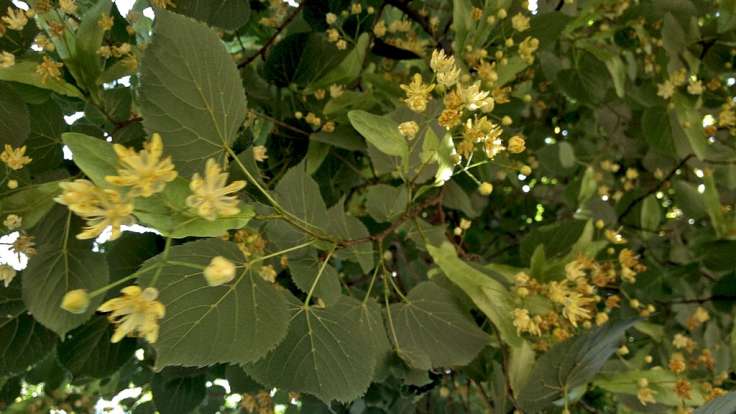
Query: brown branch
x=408, y=215
x=272, y=39
x=654, y=189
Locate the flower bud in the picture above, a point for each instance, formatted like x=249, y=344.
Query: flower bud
x=75, y=301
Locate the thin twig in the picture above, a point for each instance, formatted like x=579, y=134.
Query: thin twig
x=654, y=189
x=272, y=39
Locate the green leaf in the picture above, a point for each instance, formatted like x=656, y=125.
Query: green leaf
x=385, y=202
x=507, y=72
x=660, y=381
x=85, y=63
x=298, y=194
x=521, y=363
x=44, y=143
x=227, y=14
x=727, y=16
x=444, y=156
x=88, y=352
x=237, y=322
x=370, y=318
x=349, y=69
x=724, y=404
x=651, y=214
x=304, y=269
x=432, y=330
x=655, y=125
x=487, y=294
x=62, y=264
x=23, y=341
x=291, y=61
x=712, y=203
x=348, y=227
x=570, y=364
x=381, y=131
x=327, y=353
x=175, y=394
x=690, y=122
x=94, y=156
x=24, y=71
x=567, y=154
x=31, y=202
x=609, y=55
x=15, y=123
x=190, y=92
x=168, y=213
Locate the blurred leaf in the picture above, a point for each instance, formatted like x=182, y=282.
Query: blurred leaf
x=570, y=364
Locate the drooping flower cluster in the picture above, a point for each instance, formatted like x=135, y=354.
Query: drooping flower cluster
x=576, y=299
x=143, y=172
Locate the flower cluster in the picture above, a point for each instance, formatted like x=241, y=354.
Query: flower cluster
x=576, y=300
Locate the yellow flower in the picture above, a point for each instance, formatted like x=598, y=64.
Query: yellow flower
x=409, y=129
x=485, y=188
x=7, y=60
x=136, y=313
x=341, y=44
x=665, y=89
x=524, y=323
x=417, y=93
x=441, y=62
x=474, y=98
x=16, y=19
x=13, y=221
x=7, y=274
x=106, y=22
x=260, y=153
x=574, y=270
x=210, y=196
x=68, y=6
x=162, y=4
x=24, y=245
x=99, y=207
x=336, y=90
x=49, y=69
x=75, y=301
x=219, y=271
x=645, y=394
x=14, y=158
x=379, y=29
x=330, y=18
x=516, y=144
x=144, y=171
x=574, y=308
x=520, y=22
x=268, y=273
x=527, y=48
